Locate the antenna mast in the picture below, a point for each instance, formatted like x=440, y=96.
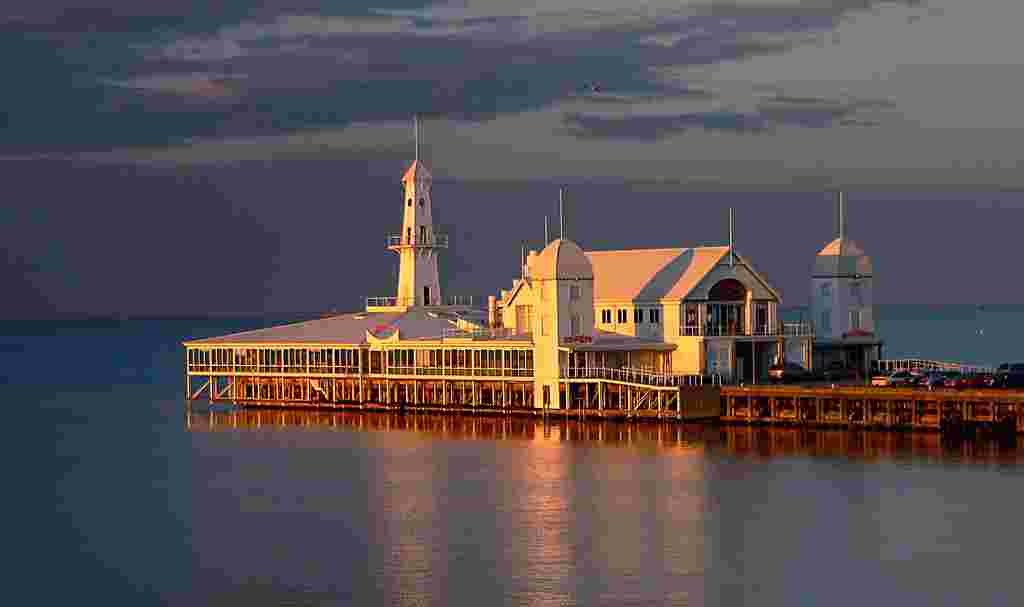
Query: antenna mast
x=732, y=255
x=561, y=216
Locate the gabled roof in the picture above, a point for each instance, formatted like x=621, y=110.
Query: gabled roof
x=417, y=170
x=350, y=328
x=651, y=274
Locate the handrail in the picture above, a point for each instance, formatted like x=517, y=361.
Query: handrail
x=432, y=239
x=389, y=302
x=492, y=333
x=914, y=364
x=787, y=329
x=639, y=376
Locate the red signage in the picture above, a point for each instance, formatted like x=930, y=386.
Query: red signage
x=578, y=339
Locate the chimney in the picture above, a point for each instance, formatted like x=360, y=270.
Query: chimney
x=492, y=311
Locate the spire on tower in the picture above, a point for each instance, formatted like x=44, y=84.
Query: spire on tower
x=732, y=255
x=416, y=131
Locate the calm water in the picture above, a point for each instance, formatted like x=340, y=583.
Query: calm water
x=122, y=493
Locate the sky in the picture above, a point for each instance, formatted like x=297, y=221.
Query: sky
x=244, y=157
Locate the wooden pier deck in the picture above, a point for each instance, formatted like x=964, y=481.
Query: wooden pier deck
x=872, y=407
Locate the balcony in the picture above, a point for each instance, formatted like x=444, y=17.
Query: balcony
x=788, y=329
x=433, y=240
x=389, y=302
x=479, y=334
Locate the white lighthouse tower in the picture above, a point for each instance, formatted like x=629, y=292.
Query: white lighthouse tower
x=842, y=302
x=418, y=245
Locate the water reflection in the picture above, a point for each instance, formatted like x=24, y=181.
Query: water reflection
x=740, y=442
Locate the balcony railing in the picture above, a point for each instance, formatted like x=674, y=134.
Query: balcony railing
x=495, y=333
x=460, y=300
x=639, y=376
x=789, y=329
x=439, y=241
x=389, y=302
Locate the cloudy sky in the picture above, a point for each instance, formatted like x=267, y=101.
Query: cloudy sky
x=162, y=159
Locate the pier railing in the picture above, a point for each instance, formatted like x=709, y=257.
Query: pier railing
x=639, y=376
x=892, y=365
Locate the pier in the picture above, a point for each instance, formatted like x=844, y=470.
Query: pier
x=872, y=407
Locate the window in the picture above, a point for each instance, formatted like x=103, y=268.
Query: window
x=423, y=233
x=855, y=293
x=574, y=292
x=621, y=316
x=638, y=315
x=826, y=290
x=547, y=396
x=854, y=319
x=524, y=316
x=540, y=290
x=655, y=315
x=421, y=202
x=606, y=316
x=409, y=204
x=575, y=325
x=408, y=235
x=826, y=322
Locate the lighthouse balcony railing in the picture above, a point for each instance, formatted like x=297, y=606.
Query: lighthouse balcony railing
x=389, y=302
x=423, y=240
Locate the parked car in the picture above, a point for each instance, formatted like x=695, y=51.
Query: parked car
x=916, y=375
x=934, y=379
x=954, y=379
x=787, y=372
x=1013, y=377
x=979, y=381
x=836, y=371
x=898, y=378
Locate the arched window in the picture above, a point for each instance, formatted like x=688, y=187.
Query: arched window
x=729, y=289
x=409, y=203
x=421, y=203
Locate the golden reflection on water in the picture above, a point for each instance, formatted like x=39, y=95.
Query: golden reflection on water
x=744, y=442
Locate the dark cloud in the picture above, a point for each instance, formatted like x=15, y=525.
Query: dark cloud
x=816, y=112
x=779, y=110
x=656, y=127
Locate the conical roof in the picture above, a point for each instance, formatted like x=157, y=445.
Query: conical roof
x=842, y=257
x=417, y=170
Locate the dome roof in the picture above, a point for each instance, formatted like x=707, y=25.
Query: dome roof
x=852, y=260
x=563, y=259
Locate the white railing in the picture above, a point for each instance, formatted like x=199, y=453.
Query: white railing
x=639, y=376
x=495, y=333
x=459, y=300
x=798, y=329
x=414, y=240
x=789, y=329
x=389, y=302
x=920, y=364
